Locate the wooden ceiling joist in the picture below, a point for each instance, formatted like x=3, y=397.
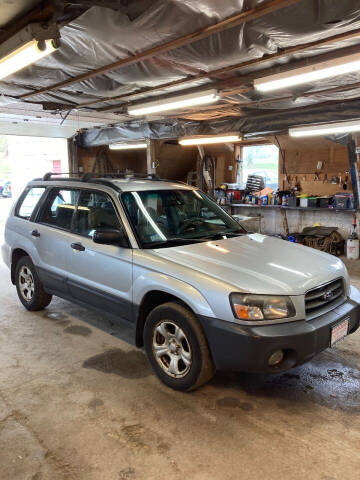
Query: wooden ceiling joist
x=251, y=14
x=240, y=84
x=250, y=63
x=41, y=13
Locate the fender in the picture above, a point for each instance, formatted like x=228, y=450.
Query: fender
x=167, y=284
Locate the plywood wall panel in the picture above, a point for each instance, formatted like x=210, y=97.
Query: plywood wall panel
x=301, y=158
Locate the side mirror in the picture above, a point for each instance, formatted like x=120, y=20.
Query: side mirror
x=111, y=237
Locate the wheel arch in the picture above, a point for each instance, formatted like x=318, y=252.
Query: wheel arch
x=151, y=300
x=16, y=255
x=153, y=289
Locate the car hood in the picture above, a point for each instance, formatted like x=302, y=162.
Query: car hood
x=258, y=263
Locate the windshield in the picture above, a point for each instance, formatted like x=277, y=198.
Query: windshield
x=166, y=217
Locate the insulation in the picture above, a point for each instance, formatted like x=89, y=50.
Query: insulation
x=101, y=36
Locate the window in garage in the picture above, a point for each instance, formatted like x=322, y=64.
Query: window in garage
x=262, y=160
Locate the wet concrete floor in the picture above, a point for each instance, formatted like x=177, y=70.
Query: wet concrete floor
x=79, y=402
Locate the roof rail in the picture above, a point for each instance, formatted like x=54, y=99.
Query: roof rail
x=91, y=175
x=87, y=176
x=48, y=176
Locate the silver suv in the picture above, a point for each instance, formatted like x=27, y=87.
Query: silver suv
x=201, y=293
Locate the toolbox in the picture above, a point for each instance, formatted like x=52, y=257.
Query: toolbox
x=344, y=200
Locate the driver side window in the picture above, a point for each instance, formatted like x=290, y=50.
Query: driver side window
x=95, y=211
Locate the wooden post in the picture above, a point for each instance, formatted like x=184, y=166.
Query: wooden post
x=285, y=222
x=239, y=164
x=354, y=172
x=150, y=156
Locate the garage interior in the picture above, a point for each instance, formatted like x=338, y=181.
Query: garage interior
x=77, y=400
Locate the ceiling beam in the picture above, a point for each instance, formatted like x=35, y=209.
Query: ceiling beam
x=254, y=62
x=40, y=13
x=251, y=14
x=249, y=104
x=113, y=4
x=296, y=109
x=306, y=108
x=289, y=67
x=241, y=84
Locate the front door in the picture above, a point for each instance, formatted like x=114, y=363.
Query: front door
x=100, y=275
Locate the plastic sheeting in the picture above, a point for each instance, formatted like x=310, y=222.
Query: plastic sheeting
x=101, y=36
x=257, y=125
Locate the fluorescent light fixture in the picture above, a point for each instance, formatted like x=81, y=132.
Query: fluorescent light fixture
x=311, y=73
x=26, y=47
x=175, y=103
x=209, y=140
x=325, y=129
x=23, y=57
x=126, y=146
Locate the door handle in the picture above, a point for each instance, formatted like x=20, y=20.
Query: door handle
x=35, y=233
x=78, y=247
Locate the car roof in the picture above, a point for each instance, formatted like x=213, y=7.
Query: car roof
x=125, y=184
x=130, y=184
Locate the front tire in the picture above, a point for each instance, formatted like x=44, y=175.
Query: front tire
x=29, y=288
x=177, y=348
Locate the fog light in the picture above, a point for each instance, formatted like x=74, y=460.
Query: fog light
x=276, y=358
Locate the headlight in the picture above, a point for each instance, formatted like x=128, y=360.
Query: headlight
x=247, y=306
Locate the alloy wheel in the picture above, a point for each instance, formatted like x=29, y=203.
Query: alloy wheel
x=171, y=349
x=26, y=283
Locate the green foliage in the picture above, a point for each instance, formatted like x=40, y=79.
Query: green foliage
x=262, y=160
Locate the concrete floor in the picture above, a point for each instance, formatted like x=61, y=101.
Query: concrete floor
x=79, y=403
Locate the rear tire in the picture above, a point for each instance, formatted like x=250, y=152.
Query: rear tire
x=29, y=288
x=176, y=347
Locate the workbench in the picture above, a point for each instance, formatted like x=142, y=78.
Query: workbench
x=273, y=219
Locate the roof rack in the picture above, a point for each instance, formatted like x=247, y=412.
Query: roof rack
x=146, y=176
x=101, y=178
x=48, y=176
x=86, y=177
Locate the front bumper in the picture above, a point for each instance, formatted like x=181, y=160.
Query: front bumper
x=236, y=347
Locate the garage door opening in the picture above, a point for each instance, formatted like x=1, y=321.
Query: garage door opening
x=24, y=158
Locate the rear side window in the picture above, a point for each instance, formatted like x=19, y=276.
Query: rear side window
x=59, y=208
x=28, y=203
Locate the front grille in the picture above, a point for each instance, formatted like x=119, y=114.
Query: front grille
x=322, y=299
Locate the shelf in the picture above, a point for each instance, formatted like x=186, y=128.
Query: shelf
x=304, y=209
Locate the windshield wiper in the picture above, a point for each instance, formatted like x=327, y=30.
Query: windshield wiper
x=220, y=235
x=175, y=241
x=178, y=241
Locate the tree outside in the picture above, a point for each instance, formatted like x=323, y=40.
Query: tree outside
x=262, y=160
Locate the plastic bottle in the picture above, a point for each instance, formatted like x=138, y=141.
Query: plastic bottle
x=352, y=248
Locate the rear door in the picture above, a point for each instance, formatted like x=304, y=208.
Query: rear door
x=20, y=224
x=51, y=236
x=100, y=275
